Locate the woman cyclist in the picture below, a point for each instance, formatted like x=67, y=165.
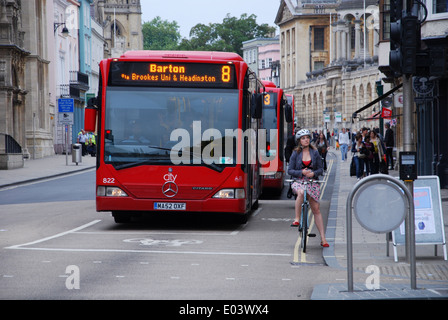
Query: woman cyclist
x=306, y=163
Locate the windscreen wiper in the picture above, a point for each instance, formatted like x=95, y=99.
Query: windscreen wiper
x=212, y=166
x=137, y=163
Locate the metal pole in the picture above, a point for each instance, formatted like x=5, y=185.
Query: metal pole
x=349, y=243
x=408, y=145
x=34, y=136
x=66, y=145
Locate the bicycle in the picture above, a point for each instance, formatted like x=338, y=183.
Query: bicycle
x=303, y=223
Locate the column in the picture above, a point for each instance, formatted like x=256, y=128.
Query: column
x=357, y=38
x=375, y=41
x=339, y=42
x=333, y=44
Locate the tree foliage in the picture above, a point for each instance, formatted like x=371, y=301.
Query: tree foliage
x=226, y=36
x=160, y=34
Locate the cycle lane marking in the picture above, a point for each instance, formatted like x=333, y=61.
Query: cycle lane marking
x=28, y=245
x=299, y=254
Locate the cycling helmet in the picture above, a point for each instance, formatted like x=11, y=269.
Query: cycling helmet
x=301, y=133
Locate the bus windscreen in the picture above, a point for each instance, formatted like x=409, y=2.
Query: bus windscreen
x=140, y=123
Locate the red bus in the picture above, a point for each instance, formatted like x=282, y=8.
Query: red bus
x=176, y=132
x=291, y=125
x=277, y=120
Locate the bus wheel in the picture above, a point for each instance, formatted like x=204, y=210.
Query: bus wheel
x=255, y=205
x=121, y=218
x=241, y=218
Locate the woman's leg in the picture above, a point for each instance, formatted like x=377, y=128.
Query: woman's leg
x=298, y=204
x=359, y=167
x=315, y=207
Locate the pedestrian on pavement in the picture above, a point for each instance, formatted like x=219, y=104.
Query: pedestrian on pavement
x=315, y=136
x=378, y=151
x=306, y=164
x=290, y=145
x=368, y=160
x=364, y=132
x=358, y=156
x=91, y=142
x=344, y=141
x=322, y=146
x=389, y=141
x=82, y=139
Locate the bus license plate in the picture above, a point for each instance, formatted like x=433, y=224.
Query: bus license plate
x=169, y=206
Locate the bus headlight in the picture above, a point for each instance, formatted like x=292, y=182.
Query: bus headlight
x=103, y=191
x=230, y=194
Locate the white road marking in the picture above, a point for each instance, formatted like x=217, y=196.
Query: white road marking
x=262, y=254
x=27, y=246
x=19, y=246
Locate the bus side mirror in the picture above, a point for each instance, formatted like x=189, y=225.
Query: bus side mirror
x=256, y=106
x=90, y=114
x=288, y=113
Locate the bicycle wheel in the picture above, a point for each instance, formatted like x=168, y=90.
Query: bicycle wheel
x=304, y=226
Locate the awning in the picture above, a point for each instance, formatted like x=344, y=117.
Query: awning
x=376, y=100
x=374, y=116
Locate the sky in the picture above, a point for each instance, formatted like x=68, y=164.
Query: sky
x=188, y=13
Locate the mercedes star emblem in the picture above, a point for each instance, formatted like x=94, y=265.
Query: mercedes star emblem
x=170, y=189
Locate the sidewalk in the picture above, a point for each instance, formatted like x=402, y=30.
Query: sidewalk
x=53, y=166
x=371, y=249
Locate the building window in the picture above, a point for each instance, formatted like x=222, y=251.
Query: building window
x=319, y=38
x=385, y=19
x=319, y=65
x=440, y=6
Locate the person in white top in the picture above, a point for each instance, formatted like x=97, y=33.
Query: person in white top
x=344, y=140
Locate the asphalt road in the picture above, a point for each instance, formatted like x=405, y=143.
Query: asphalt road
x=54, y=245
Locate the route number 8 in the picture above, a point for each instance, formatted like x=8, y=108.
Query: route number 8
x=225, y=73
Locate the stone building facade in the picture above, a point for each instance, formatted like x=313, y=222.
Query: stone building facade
x=122, y=24
x=13, y=94
x=25, y=116
x=329, y=60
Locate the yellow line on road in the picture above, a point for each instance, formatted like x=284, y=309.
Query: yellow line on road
x=298, y=253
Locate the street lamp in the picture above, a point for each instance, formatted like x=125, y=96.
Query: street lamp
x=64, y=30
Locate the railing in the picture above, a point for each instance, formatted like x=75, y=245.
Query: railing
x=10, y=144
x=80, y=80
x=70, y=91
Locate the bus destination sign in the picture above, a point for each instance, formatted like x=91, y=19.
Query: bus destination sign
x=172, y=74
x=269, y=99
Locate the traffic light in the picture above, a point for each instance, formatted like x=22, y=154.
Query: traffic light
x=396, y=8
x=395, y=52
x=410, y=43
x=404, y=44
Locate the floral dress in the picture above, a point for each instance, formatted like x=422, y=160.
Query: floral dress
x=313, y=188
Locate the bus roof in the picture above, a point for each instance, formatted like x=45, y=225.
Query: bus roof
x=269, y=84
x=193, y=55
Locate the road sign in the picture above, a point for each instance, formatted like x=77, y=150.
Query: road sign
x=65, y=118
x=386, y=113
x=66, y=105
x=429, y=225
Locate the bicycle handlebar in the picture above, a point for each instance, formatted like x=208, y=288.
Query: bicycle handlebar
x=306, y=181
